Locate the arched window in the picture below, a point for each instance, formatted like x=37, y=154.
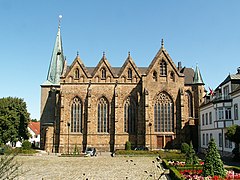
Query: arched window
x=163, y=68
x=103, y=120
x=129, y=73
x=163, y=113
x=189, y=103
x=129, y=116
x=103, y=73
x=76, y=115
x=76, y=74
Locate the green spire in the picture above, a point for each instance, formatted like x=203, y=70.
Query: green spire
x=57, y=60
x=197, y=77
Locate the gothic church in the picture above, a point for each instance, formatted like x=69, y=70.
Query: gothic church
x=104, y=107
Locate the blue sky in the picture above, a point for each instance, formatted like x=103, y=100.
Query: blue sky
x=203, y=32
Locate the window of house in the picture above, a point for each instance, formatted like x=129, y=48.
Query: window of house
x=226, y=92
x=207, y=139
x=129, y=73
x=129, y=116
x=203, y=139
x=163, y=68
x=210, y=117
x=76, y=74
x=206, y=118
x=220, y=114
x=235, y=111
x=76, y=115
x=103, y=119
x=203, y=119
x=103, y=73
x=163, y=113
x=211, y=136
x=220, y=140
x=228, y=114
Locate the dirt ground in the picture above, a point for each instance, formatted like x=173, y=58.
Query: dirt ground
x=51, y=167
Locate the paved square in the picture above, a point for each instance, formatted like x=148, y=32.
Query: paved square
x=49, y=167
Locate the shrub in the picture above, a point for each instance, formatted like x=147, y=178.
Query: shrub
x=26, y=145
x=184, y=148
x=128, y=145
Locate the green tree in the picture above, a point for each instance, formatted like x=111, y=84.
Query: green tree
x=14, y=120
x=233, y=134
x=191, y=157
x=213, y=164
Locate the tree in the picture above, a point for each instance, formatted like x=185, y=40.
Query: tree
x=213, y=165
x=233, y=134
x=14, y=120
x=191, y=157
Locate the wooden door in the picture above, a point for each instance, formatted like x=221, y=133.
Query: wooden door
x=160, y=142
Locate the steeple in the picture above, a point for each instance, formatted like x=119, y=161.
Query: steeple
x=57, y=60
x=197, y=77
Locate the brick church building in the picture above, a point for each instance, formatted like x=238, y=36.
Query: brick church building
x=104, y=106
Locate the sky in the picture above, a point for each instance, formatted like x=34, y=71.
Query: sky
x=204, y=33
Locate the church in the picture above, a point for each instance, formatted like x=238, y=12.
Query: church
x=104, y=106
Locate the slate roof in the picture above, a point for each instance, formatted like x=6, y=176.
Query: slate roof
x=189, y=75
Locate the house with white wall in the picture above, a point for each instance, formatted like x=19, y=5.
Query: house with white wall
x=34, y=129
x=220, y=111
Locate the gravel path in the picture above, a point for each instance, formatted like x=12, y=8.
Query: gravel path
x=102, y=167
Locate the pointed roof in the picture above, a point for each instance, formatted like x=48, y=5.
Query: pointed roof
x=163, y=51
x=104, y=61
x=82, y=66
x=129, y=60
x=35, y=127
x=197, y=77
x=57, y=62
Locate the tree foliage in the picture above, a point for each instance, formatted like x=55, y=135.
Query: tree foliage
x=191, y=157
x=233, y=134
x=14, y=120
x=213, y=164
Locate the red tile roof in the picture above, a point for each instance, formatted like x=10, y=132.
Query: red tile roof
x=35, y=127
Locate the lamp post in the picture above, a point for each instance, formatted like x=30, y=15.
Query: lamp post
x=68, y=124
x=150, y=127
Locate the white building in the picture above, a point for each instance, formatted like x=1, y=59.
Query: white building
x=34, y=129
x=220, y=111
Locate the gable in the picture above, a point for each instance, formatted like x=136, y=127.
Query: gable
x=129, y=70
x=77, y=71
x=103, y=70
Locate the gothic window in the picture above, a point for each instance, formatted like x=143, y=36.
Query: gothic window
x=103, y=73
x=155, y=75
x=129, y=73
x=76, y=115
x=129, y=116
x=76, y=74
x=189, y=104
x=163, y=68
x=103, y=120
x=163, y=114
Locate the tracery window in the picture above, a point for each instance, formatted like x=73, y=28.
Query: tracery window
x=163, y=68
x=76, y=115
x=129, y=73
x=103, y=119
x=163, y=114
x=189, y=104
x=129, y=116
x=76, y=74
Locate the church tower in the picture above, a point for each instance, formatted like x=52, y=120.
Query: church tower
x=50, y=97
